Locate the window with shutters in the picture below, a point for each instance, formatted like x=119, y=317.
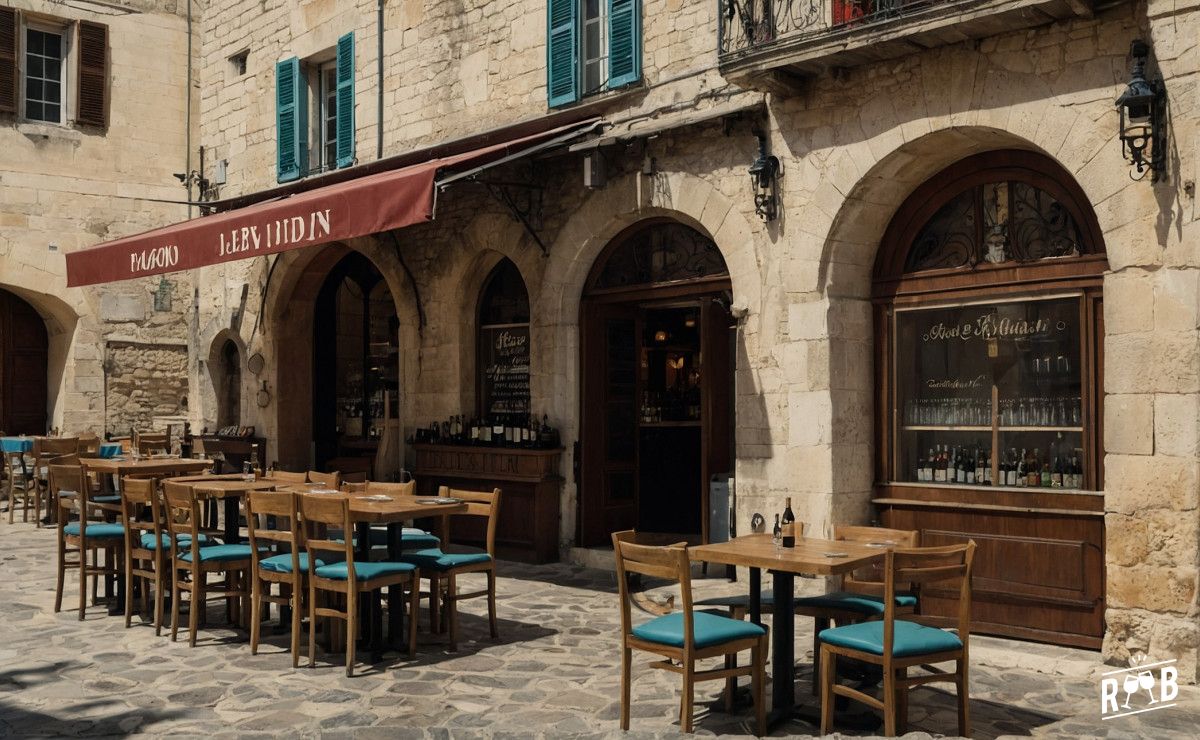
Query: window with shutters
x=53, y=71
x=315, y=111
x=591, y=46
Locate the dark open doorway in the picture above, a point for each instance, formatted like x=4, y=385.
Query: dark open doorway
x=657, y=385
x=23, y=353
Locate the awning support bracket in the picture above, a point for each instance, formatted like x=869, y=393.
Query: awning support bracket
x=524, y=203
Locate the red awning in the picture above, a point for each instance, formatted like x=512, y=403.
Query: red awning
x=359, y=207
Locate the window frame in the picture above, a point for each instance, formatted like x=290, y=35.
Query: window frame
x=601, y=22
x=326, y=99
x=65, y=30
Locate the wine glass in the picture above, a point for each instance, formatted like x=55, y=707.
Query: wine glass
x=1130, y=687
x=1146, y=681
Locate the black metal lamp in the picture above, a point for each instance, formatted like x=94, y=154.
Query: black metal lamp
x=1142, y=118
x=764, y=174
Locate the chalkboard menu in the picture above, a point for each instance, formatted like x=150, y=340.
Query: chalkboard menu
x=504, y=364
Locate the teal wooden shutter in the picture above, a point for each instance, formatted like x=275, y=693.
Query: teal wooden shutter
x=291, y=121
x=345, y=100
x=624, y=42
x=562, y=52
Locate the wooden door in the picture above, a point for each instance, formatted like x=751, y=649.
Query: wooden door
x=716, y=378
x=608, y=443
x=23, y=345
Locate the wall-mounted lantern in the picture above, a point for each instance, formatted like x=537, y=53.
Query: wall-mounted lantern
x=1142, y=109
x=764, y=175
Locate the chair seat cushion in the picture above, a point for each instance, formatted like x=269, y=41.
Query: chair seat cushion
x=217, y=553
x=363, y=571
x=283, y=563
x=434, y=559
x=861, y=603
x=97, y=529
x=107, y=499
x=910, y=638
x=148, y=541
x=710, y=629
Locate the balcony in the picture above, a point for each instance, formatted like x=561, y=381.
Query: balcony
x=774, y=44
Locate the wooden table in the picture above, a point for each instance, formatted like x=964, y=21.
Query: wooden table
x=364, y=511
x=809, y=556
x=230, y=490
x=165, y=466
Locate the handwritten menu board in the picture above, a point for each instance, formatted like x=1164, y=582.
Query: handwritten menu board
x=504, y=361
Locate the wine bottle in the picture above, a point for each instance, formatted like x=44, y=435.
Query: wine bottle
x=1056, y=473
x=497, y=430
x=1022, y=477
x=978, y=467
x=777, y=532
x=789, y=524
x=987, y=469
x=1033, y=471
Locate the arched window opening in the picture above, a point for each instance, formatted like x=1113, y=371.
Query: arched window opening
x=503, y=345
x=229, y=387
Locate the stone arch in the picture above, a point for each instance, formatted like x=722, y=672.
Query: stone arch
x=603, y=215
x=217, y=389
x=287, y=338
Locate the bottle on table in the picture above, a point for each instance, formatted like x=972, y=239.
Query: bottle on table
x=777, y=533
x=788, y=524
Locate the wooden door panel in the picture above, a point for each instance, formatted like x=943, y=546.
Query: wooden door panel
x=23, y=358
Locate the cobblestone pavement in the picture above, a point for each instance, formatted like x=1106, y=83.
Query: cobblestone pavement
x=554, y=673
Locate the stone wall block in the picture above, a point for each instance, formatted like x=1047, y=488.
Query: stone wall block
x=1177, y=424
x=810, y=418
x=1129, y=302
x=1134, y=483
x=1129, y=423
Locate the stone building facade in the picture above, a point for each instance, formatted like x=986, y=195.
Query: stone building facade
x=855, y=141
x=67, y=184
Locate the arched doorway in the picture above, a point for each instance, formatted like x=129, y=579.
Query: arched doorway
x=355, y=366
x=23, y=367
x=226, y=371
x=989, y=360
x=657, y=384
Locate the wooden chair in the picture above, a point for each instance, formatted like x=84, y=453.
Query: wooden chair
x=284, y=476
x=46, y=449
x=20, y=486
x=684, y=637
x=85, y=536
x=346, y=579
x=152, y=443
x=89, y=445
x=860, y=596
x=448, y=562
x=897, y=645
x=192, y=562
x=147, y=548
x=277, y=556
x=329, y=480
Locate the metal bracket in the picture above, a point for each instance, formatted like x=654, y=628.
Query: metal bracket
x=524, y=203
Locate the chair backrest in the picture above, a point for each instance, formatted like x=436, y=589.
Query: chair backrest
x=14, y=466
x=925, y=565
x=182, y=515
x=479, y=504
x=350, y=486
x=47, y=447
x=319, y=512
x=88, y=445
x=869, y=580
x=139, y=493
x=70, y=490
x=392, y=489
x=329, y=480
x=278, y=506
x=148, y=443
x=284, y=476
x=668, y=562
x=354, y=476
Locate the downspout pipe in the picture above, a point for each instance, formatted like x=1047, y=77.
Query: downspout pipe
x=187, y=133
x=379, y=75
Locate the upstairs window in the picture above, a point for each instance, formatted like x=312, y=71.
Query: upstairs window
x=324, y=85
x=592, y=46
x=36, y=56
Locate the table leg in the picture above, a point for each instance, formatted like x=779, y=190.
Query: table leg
x=783, y=648
x=756, y=596
x=362, y=552
x=233, y=529
x=395, y=630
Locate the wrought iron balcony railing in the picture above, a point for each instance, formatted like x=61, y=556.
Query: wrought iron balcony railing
x=752, y=24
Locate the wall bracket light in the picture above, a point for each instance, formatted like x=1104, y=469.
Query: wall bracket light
x=1143, y=118
x=764, y=175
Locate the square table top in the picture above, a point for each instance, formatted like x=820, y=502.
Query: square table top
x=807, y=557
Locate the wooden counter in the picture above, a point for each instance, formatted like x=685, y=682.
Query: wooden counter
x=530, y=486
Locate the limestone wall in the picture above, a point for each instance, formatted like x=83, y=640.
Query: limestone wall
x=854, y=146
x=144, y=381
x=65, y=188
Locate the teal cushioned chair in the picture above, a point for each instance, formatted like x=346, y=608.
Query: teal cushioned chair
x=147, y=547
x=895, y=645
x=71, y=496
x=443, y=566
x=277, y=558
x=685, y=637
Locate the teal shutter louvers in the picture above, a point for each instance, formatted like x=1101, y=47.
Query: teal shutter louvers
x=624, y=42
x=562, y=52
x=345, y=100
x=291, y=121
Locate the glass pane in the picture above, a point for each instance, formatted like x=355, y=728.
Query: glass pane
x=34, y=66
x=34, y=111
x=592, y=80
x=51, y=92
x=33, y=90
x=591, y=41
x=52, y=113
x=330, y=154
x=53, y=69
x=591, y=9
x=34, y=43
x=950, y=360
x=53, y=45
